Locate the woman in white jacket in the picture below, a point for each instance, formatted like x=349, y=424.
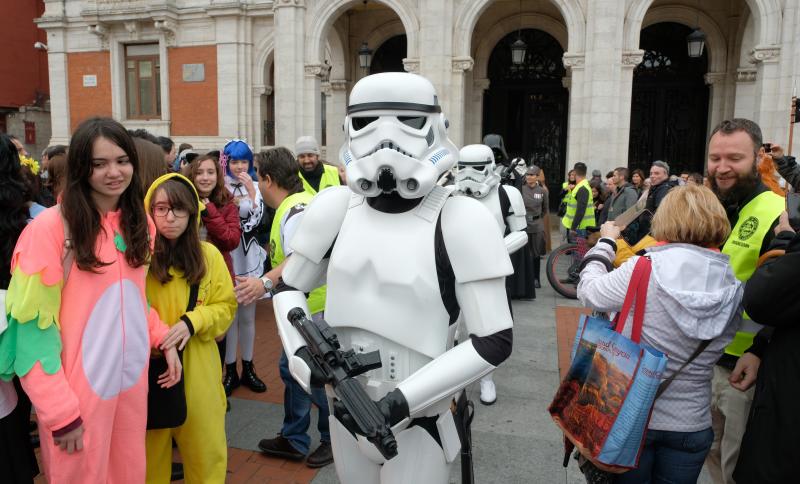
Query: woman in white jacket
x=692, y=296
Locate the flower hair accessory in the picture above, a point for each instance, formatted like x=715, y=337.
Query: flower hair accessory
x=32, y=164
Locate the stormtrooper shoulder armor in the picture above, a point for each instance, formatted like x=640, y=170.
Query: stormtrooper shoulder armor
x=474, y=244
x=321, y=223
x=516, y=219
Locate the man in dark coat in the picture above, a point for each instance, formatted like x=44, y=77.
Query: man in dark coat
x=769, y=451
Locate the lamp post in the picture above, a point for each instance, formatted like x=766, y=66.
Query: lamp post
x=696, y=42
x=364, y=56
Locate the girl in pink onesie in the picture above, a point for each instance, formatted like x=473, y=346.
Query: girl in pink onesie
x=79, y=327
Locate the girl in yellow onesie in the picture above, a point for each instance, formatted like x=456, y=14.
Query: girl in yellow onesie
x=181, y=260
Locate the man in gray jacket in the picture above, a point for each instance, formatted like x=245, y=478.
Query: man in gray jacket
x=623, y=197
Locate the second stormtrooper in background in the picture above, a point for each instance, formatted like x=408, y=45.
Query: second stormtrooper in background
x=476, y=178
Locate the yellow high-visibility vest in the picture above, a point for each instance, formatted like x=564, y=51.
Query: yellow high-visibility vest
x=744, y=246
x=316, y=299
x=588, y=219
x=330, y=178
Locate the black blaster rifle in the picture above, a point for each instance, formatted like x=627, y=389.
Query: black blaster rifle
x=340, y=369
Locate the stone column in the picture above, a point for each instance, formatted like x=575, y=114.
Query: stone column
x=577, y=134
x=337, y=110
x=456, y=114
x=769, y=107
x=745, y=93
x=234, y=80
x=630, y=60
x=436, y=37
x=312, y=113
x=605, y=104
x=474, y=130
x=716, y=97
x=59, y=82
x=289, y=70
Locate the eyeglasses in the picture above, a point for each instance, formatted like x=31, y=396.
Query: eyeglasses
x=162, y=211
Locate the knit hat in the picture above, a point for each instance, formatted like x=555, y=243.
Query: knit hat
x=533, y=170
x=305, y=145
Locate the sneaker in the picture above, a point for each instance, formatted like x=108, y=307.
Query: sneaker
x=488, y=392
x=280, y=447
x=321, y=457
x=177, y=472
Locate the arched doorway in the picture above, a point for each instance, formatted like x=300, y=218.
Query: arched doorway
x=669, y=104
x=528, y=104
x=389, y=56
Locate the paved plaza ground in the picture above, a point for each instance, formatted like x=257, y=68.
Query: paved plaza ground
x=514, y=441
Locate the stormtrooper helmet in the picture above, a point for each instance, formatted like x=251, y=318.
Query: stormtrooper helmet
x=476, y=171
x=395, y=136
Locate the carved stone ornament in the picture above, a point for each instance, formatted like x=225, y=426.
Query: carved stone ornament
x=461, y=64
x=132, y=27
x=712, y=78
x=339, y=84
x=101, y=31
x=288, y=3
x=326, y=89
x=632, y=58
x=765, y=54
x=168, y=28
x=268, y=90
x=746, y=75
x=574, y=61
x=313, y=70
x=411, y=65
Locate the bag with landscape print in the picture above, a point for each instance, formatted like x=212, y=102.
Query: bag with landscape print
x=603, y=405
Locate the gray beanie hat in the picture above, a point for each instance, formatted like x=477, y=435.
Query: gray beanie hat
x=306, y=144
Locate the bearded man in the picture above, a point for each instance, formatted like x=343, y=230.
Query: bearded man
x=753, y=210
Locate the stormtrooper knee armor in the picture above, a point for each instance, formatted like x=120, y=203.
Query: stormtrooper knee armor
x=401, y=258
x=477, y=178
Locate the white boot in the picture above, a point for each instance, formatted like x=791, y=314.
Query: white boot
x=488, y=392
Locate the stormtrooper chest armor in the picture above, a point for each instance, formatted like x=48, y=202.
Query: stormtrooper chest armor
x=383, y=289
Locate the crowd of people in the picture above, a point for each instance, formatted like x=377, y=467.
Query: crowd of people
x=123, y=252
x=718, y=303
x=120, y=250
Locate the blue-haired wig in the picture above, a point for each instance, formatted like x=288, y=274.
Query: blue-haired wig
x=237, y=149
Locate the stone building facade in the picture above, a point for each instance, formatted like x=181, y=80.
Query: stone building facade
x=272, y=70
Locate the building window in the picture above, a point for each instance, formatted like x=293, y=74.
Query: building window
x=143, y=81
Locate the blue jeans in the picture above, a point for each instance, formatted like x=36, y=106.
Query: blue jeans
x=670, y=458
x=297, y=410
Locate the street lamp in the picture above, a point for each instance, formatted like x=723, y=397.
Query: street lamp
x=364, y=56
x=518, y=49
x=695, y=42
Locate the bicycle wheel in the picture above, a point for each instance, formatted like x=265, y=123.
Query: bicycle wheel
x=562, y=269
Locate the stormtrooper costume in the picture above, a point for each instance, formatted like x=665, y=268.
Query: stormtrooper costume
x=401, y=259
x=477, y=178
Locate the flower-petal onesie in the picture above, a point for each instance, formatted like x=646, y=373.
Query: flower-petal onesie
x=81, y=349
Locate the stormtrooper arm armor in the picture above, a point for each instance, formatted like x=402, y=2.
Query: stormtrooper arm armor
x=480, y=263
x=515, y=221
x=305, y=270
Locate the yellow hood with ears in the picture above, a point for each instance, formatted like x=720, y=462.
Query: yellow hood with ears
x=160, y=181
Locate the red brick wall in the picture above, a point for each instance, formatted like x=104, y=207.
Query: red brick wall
x=193, y=105
x=85, y=102
x=23, y=70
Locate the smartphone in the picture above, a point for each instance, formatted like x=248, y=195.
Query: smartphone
x=793, y=209
x=767, y=147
